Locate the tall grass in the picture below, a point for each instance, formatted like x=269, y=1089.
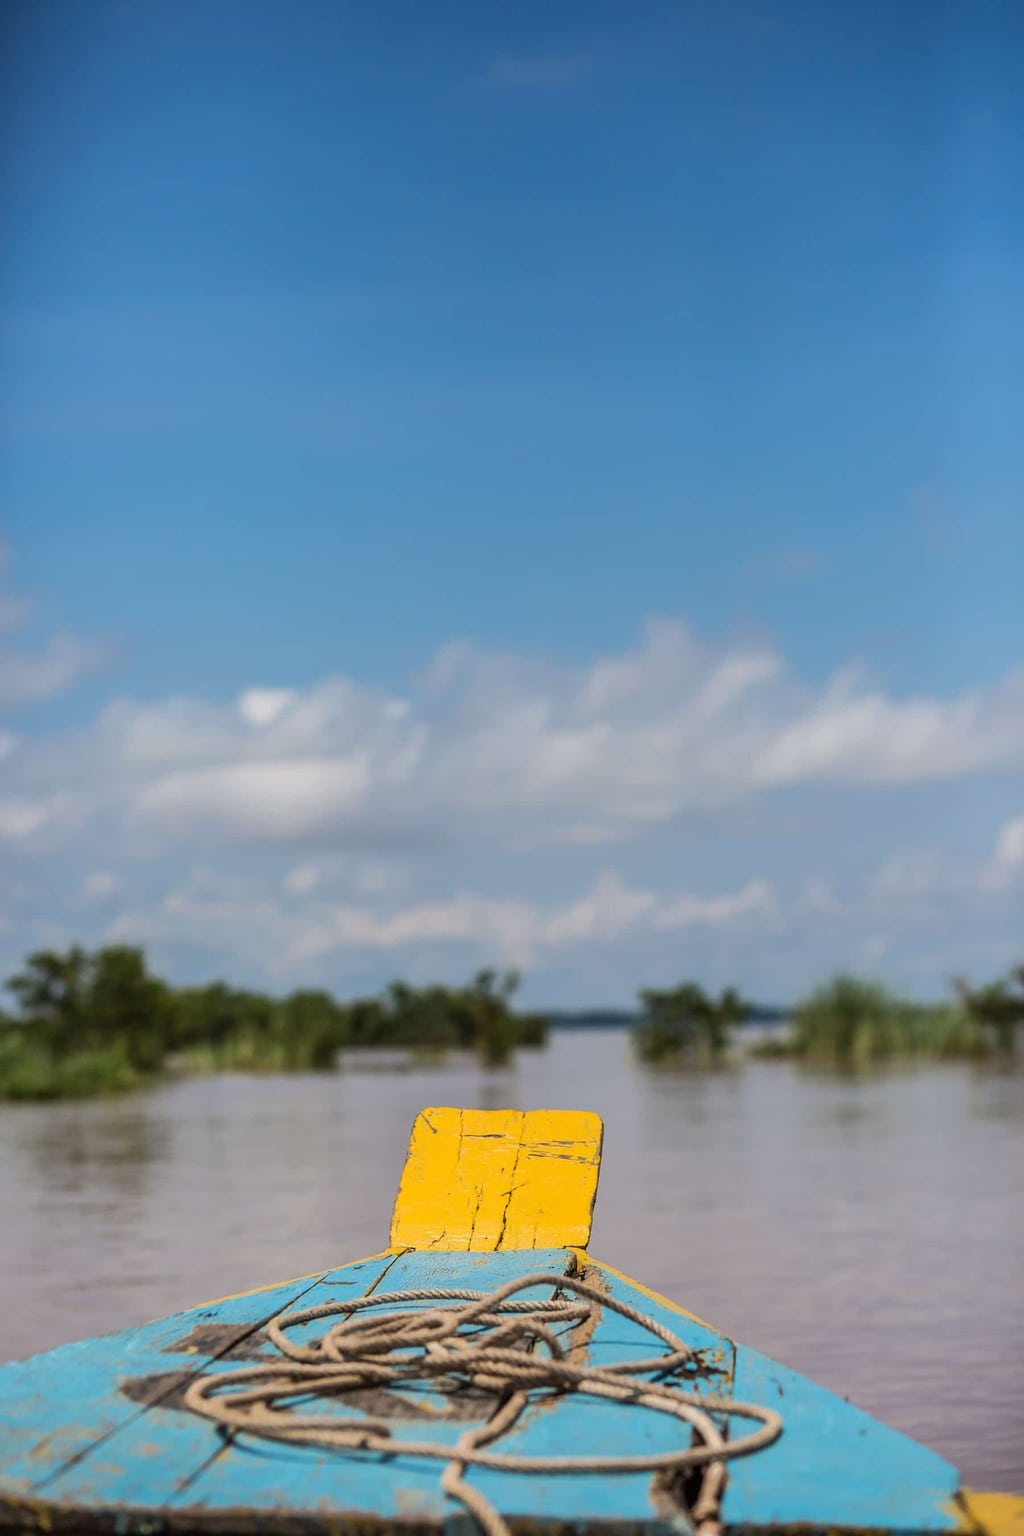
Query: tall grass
x=32, y=1070
x=851, y=1022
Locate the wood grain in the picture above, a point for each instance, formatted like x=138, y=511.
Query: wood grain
x=484, y=1180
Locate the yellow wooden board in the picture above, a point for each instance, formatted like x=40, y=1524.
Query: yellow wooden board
x=484, y=1179
x=995, y=1514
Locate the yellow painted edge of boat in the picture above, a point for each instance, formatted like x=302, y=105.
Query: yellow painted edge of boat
x=583, y=1257
x=991, y=1514
x=484, y=1180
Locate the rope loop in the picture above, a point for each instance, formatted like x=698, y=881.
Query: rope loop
x=517, y=1351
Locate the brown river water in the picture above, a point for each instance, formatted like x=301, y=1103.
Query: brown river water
x=867, y=1232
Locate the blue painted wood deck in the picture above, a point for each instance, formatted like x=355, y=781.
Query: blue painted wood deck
x=96, y=1432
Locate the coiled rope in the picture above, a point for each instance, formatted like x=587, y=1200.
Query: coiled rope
x=488, y=1342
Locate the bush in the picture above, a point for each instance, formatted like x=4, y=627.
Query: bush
x=997, y=1010
x=32, y=1070
x=686, y=1024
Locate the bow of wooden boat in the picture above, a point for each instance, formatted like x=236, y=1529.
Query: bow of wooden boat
x=104, y=1437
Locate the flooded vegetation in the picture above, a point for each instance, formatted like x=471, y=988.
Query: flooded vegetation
x=686, y=1024
x=847, y=1023
x=850, y=1022
x=101, y=1022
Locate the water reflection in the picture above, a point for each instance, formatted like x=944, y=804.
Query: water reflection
x=108, y=1148
x=833, y=1222
x=498, y=1091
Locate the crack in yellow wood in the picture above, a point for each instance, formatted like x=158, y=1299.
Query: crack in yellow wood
x=483, y=1179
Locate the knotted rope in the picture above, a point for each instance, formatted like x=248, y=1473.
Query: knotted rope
x=492, y=1344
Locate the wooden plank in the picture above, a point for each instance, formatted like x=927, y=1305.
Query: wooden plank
x=589, y=1426
x=346, y=1488
x=834, y=1466
x=483, y=1180
x=157, y=1455
x=833, y=1469
x=992, y=1514
x=65, y=1408
x=273, y=1483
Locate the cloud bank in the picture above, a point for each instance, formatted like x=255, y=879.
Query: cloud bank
x=513, y=931
x=293, y=830
x=497, y=749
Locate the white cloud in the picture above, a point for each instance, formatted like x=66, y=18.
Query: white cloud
x=510, y=929
x=100, y=885
x=29, y=818
x=262, y=706
x=612, y=909
x=500, y=750
x=817, y=895
x=302, y=880
x=937, y=884
x=854, y=736
x=365, y=877
x=21, y=817
x=1010, y=844
x=341, y=822
x=374, y=877
x=914, y=873
x=273, y=802
x=30, y=677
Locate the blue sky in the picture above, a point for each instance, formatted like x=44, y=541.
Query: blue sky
x=539, y=483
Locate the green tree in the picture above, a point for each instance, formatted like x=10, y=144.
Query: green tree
x=997, y=1008
x=685, y=1022
x=368, y=1022
x=93, y=1022
x=496, y=1033
x=314, y=1028
x=126, y=1005
x=51, y=992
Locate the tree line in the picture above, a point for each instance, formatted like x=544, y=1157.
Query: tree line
x=846, y=1022
x=88, y=1022
x=93, y=1022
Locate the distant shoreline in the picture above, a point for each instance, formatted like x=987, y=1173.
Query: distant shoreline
x=624, y=1018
